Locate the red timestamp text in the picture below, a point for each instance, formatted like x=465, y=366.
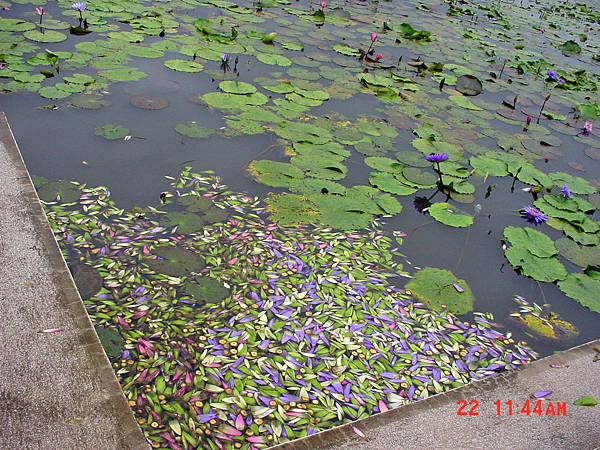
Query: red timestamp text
x=536, y=407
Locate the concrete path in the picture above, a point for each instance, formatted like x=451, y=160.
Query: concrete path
x=434, y=424
x=57, y=389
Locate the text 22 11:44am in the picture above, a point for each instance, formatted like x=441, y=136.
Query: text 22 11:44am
x=528, y=407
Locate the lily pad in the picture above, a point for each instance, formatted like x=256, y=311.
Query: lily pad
x=183, y=65
x=112, y=131
x=436, y=288
x=193, y=130
x=237, y=87
x=469, y=85
x=582, y=288
x=206, y=290
x=88, y=281
x=582, y=255
x=111, y=341
x=149, y=102
x=464, y=102
x=48, y=36
x=449, y=215
x=64, y=191
x=175, y=261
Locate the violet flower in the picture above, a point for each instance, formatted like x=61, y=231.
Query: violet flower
x=79, y=6
x=437, y=157
x=587, y=128
x=533, y=215
x=566, y=192
x=552, y=75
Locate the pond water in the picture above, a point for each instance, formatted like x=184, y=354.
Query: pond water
x=242, y=193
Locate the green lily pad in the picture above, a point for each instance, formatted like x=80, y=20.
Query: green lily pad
x=386, y=182
x=206, y=290
x=540, y=269
x=582, y=255
x=436, y=288
x=449, y=215
x=237, y=87
x=193, y=129
x=122, y=74
x=273, y=173
x=48, y=36
x=111, y=341
x=464, y=102
x=534, y=241
x=53, y=93
x=273, y=60
x=582, y=288
x=63, y=191
x=292, y=209
x=183, y=65
x=112, y=131
x=176, y=261
x=224, y=100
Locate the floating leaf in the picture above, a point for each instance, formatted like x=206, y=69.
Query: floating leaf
x=237, y=87
x=175, y=261
x=112, y=131
x=445, y=213
x=111, y=340
x=469, y=85
x=582, y=288
x=436, y=288
x=193, y=129
x=206, y=290
x=182, y=65
x=464, y=102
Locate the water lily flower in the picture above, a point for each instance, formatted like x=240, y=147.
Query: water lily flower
x=565, y=191
x=40, y=12
x=528, y=121
x=533, y=215
x=79, y=6
x=588, y=128
x=542, y=30
x=373, y=37
x=552, y=75
x=378, y=56
x=225, y=57
x=561, y=80
x=323, y=5
x=437, y=157
x=2, y=66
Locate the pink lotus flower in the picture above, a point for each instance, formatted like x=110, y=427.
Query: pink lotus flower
x=373, y=36
x=529, y=119
x=588, y=128
x=323, y=5
x=378, y=56
x=40, y=10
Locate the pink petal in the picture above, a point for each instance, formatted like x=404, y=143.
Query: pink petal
x=357, y=431
x=382, y=406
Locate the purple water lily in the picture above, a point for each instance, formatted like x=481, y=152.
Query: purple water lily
x=437, y=157
x=79, y=6
x=565, y=191
x=588, y=128
x=533, y=215
x=552, y=75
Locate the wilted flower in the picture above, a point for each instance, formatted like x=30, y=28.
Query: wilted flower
x=552, y=75
x=588, y=128
x=565, y=191
x=78, y=6
x=437, y=157
x=373, y=37
x=533, y=215
x=378, y=56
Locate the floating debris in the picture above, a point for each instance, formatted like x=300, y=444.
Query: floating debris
x=543, y=323
x=299, y=329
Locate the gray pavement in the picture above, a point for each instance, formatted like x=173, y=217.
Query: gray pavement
x=434, y=424
x=57, y=389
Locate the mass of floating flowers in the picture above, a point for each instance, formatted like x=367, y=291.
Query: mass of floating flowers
x=246, y=334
